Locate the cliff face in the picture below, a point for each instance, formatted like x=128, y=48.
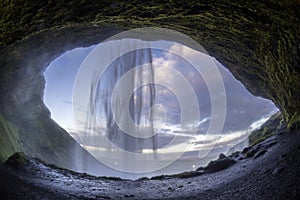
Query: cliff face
x=258, y=41
x=26, y=124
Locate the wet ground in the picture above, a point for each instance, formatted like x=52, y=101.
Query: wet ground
x=268, y=170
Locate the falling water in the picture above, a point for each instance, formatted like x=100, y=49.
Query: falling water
x=107, y=115
x=125, y=121
x=101, y=102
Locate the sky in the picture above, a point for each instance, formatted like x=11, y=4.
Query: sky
x=244, y=112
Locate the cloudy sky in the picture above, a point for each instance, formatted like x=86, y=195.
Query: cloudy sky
x=244, y=112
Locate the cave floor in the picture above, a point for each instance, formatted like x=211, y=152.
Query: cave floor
x=268, y=170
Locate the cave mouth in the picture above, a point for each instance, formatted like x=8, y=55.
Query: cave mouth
x=173, y=146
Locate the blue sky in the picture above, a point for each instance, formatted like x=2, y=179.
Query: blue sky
x=243, y=109
x=60, y=77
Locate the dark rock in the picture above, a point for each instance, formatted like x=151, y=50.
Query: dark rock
x=102, y=197
x=274, y=125
x=267, y=171
x=17, y=160
x=22, y=79
x=222, y=163
x=221, y=156
x=188, y=174
x=262, y=50
x=249, y=152
x=277, y=170
x=247, y=149
x=235, y=154
x=270, y=144
x=260, y=153
x=283, y=157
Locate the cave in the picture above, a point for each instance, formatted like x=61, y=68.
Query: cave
x=177, y=144
x=258, y=41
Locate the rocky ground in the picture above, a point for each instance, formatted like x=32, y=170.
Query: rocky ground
x=267, y=170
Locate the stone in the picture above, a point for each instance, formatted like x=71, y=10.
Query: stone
x=277, y=170
x=222, y=163
x=260, y=153
x=17, y=160
x=266, y=63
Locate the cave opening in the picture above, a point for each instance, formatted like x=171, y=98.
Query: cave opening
x=81, y=103
x=258, y=41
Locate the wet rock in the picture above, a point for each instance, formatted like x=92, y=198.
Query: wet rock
x=222, y=163
x=235, y=154
x=127, y=195
x=267, y=171
x=274, y=125
x=102, y=197
x=221, y=156
x=17, y=160
x=260, y=153
x=248, y=152
x=268, y=145
x=277, y=170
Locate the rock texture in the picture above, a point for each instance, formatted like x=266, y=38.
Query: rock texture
x=217, y=165
x=273, y=175
x=274, y=125
x=257, y=40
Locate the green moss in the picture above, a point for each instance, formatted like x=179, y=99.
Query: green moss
x=257, y=40
x=272, y=126
x=17, y=160
x=10, y=140
x=294, y=123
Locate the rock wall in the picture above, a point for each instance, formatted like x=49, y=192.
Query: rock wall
x=258, y=41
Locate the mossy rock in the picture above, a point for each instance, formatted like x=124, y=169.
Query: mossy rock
x=17, y=160
x=275, y=124
x=258, y=41
x=10, y=140
x=294, y=123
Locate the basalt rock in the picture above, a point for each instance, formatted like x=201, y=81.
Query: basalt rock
x=258, y=41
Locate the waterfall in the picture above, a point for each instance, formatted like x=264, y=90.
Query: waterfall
x=101, y=101
x=102, y=120
x=119, y=107
x=136, y=104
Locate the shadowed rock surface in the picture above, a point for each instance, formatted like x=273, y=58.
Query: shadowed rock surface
x=274, y=125
x=217, y=165
x=248, y=178
x=258, y=41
